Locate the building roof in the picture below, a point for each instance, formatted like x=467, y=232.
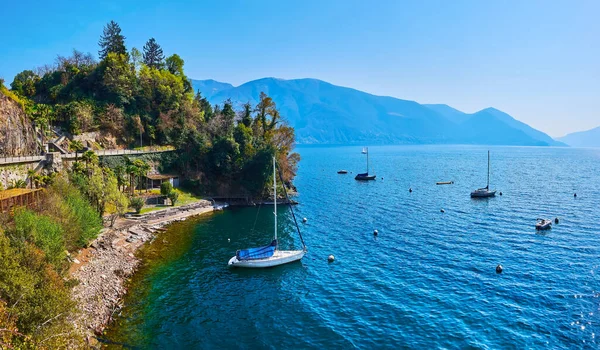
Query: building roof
x=161, y=176
x=15, y=192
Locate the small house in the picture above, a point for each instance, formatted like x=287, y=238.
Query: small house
x=155, y=180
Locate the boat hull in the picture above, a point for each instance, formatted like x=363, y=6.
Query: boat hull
x=478, y=194
x=365, y=178
x=342, y=172
x=280, y=257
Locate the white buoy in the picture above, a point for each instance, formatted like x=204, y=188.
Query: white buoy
x=443, y=211
x=228, y=239
x=499, y=269
x=331, y=258
x=304, y=220
x=375, y=233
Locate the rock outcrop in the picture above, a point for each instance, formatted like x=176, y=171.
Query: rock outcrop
x=17, y=135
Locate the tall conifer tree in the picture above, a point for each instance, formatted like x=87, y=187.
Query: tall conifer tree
x=112, y=40
x=153, y=54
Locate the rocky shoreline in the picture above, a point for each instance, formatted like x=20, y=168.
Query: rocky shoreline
x=104, y=267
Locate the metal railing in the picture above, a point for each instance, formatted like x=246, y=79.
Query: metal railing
x=99, y=153
x=21, y=159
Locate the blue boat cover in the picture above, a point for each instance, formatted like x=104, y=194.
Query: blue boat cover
x=257, y=253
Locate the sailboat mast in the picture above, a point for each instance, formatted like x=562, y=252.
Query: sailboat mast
x=488, y=180
x=275, y=196
x=367, y=160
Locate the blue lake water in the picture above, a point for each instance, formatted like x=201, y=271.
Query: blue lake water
x=428, y=279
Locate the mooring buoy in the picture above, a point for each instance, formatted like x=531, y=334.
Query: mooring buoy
x=375, y=233
x=499, y=269
x=228, y=239
x=500, y=193
x=443, y=211
x=331, y=258
x=575, y=195
x=556, y=220
x=304, y=220
x=410, y=190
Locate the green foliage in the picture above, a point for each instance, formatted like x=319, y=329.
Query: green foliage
x=173, y=196
x=35, y=303
x=18, y=184
x=137, y=203
x=81, y=221
x=44, y=231
x=24, y=83
x=166, y=188
x=112, y=41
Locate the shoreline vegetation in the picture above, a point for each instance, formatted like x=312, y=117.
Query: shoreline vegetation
x=104, y=268
x=64, y=258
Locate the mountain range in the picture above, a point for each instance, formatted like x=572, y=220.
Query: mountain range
x=323, y=113
x=589, y=138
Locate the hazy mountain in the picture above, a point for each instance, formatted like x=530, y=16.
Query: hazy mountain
x=326, y=113
x=589, y=138
x=449, y=113
x=209, y=87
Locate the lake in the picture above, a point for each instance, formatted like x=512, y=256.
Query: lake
x=427, y=280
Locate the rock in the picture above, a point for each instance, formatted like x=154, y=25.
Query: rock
x=76, y=261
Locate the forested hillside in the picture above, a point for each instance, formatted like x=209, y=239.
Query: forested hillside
x=142, y=98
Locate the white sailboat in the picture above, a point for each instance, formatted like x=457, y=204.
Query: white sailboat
x=484, y=192
x=364, y=150
x=270, y=255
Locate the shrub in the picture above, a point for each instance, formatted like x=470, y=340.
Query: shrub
x=137, y=203
x=44, y=232
x=166, y=188
x=173, y=196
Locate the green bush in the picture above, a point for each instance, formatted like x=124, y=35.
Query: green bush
x=166, y=188
x=173, y=196
x=137, y=203
x=45, y=232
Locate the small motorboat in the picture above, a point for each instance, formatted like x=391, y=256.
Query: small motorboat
x=543, y=224
x=445, y=183
x=342, y=171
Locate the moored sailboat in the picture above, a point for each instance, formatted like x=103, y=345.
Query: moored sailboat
x=484, y=192
x=365, y=176
x=269, y=255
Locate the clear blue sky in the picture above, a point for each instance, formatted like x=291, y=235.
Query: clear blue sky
x=537, y=60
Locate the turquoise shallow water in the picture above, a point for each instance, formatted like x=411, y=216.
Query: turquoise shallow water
x=428, y=279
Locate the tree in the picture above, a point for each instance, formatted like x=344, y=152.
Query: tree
x=166, y=188
x=111, y=41
x=173, y=196
x=153, y=54
x=24, y=83
x=116, y=202
x=174, y=65
x=137, y=203
x=247, y=115
x=30, y=176
x=117, y=79
x=89, y=157
x=136, y=59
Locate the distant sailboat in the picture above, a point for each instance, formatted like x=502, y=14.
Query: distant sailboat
x=484, y=192
x=365, y=176
x=270, y=255
x=364, y=150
